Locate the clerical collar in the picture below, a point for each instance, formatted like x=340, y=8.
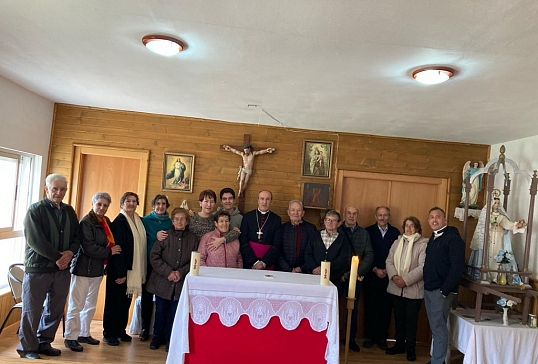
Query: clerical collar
x=263, y=212
x=440, y=231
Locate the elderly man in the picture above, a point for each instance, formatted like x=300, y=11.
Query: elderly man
x=260, y=231
x=52, y=237
x=332, y=246
x=359, y=243
x=295, y=235
x=443, y=268
x=377, y=310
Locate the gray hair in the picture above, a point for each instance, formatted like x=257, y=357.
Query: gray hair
x=54, y=177
x=99, y=195
x=295, y=201
x=333, y=213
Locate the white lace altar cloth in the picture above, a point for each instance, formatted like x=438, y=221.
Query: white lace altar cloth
x=260, y=295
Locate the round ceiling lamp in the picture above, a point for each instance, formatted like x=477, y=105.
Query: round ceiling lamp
x=163, y=45
x=433, y=75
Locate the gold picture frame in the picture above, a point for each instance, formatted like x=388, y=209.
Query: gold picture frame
x=178, y=172
x=317, y=157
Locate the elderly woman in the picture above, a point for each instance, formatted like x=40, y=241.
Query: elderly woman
x=170, y=260
x=126, y=271
x=406, y=287
x=226, y=255
x=203, y=222
x=155, y=223
x=88, y=268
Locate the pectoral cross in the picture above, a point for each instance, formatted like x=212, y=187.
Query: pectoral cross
x=259, y=233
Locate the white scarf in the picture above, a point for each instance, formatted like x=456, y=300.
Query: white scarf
x=402, y=269
x=137, y=276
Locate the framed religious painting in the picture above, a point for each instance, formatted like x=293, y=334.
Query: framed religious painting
x=317, y=156
x=178, y=172
x=315, y=195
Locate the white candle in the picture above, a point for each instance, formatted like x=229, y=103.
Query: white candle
x=353, y=276
x=325, y=273
x=195, y=263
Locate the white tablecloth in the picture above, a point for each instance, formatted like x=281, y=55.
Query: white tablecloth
x=260, y=295
x=489, y=342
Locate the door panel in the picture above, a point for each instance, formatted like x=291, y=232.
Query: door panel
x=111, y=170
x=405, y=196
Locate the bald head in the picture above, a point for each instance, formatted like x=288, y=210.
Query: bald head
x=352, y=213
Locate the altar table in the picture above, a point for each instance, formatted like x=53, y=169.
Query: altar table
x=228, y=315
x=489, y=342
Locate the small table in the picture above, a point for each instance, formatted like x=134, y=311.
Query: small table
x=243, y=316
x=489, y=342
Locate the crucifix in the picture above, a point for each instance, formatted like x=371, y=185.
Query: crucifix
x=246, y=152
x=259, y=233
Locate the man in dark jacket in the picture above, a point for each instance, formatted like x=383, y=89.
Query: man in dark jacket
x=377, y=309
x=52, y=237
x=359, y=243
x=331, y=246
x=443, y=268
x=294, y=236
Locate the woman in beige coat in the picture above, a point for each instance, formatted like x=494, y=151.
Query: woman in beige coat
x=406, y=287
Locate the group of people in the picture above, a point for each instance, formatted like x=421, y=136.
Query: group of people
x=150, y=256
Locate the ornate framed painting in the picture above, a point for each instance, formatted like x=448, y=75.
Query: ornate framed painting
x=315, y=195
x=178, y=172
x=317, y=157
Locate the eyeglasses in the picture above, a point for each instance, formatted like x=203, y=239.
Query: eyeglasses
x=180, y=219
x=330, y=220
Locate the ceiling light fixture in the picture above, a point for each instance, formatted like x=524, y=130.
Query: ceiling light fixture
x=163, y=45
x=433, y=75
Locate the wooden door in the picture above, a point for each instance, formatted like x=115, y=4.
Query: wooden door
x=405, y=196
x=111, y=170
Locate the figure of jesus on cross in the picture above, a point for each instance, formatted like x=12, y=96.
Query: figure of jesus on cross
x=248, y=161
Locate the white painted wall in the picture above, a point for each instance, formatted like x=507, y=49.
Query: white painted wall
x=525, y=153
x=25, y=121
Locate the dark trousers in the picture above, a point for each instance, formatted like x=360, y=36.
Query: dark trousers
x=43, y=297
x=147, y=303
x=405, y=320
x=165, y=312
x=377, y=307
x=355, y=313
x=117, y=304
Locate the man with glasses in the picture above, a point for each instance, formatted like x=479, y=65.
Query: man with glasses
x=332, y=246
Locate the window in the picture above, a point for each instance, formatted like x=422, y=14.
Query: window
x=19, y=186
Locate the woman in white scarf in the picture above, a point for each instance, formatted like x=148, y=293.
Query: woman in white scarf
x=126, y=272
x=406, y=287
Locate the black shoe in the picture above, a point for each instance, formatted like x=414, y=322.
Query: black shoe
x=73, y=345
x=354, y=347
x=411, y=355
x=155, y=343
x=46, y=349
x=395, y=350
x=382, y=344
x=112, y=341
x=368, y=343
x=88, y=340
x=144, y=335
x=28, y=354
x=125, y=338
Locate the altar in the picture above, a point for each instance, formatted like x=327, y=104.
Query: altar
x=489, y=342
x=229, y=315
